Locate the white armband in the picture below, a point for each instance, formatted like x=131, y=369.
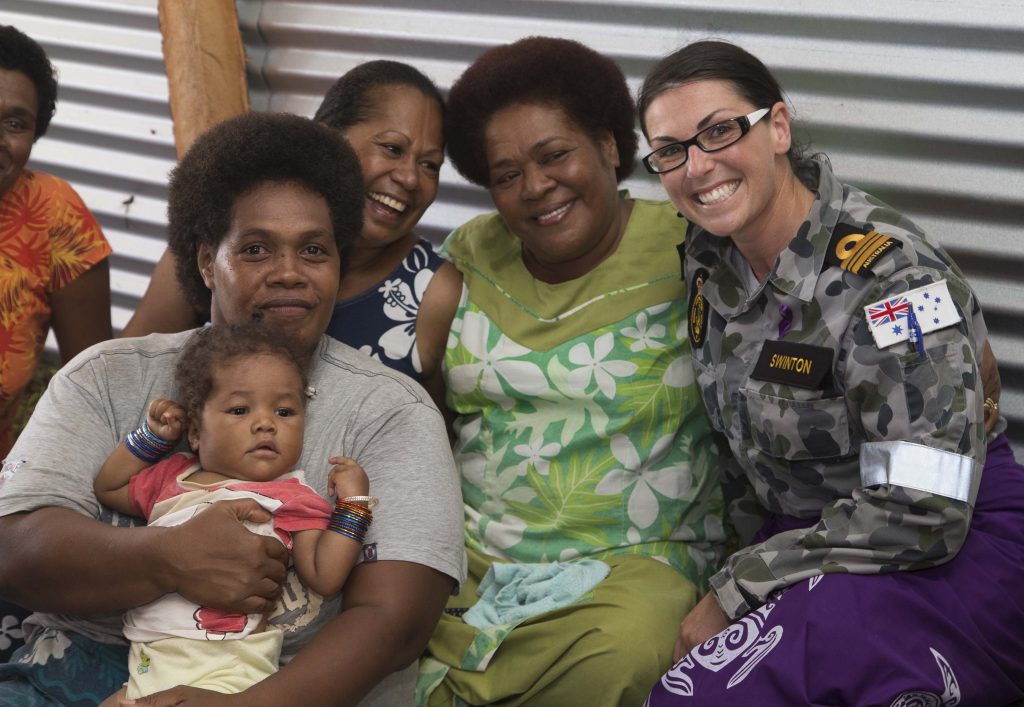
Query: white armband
x=916, y=466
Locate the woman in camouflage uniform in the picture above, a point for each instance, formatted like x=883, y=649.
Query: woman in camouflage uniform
x=838, y=351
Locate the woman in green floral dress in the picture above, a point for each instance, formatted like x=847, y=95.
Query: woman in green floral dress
x=588, y=469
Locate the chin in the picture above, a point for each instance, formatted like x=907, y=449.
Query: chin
x=716, y=225
x=304, y=340
x=298, y=334
x=383, y=236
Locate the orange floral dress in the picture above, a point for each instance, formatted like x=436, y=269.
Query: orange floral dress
x=47, y=239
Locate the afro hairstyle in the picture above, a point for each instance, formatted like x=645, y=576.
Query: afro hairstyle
x=589, y=87
x=237, y=156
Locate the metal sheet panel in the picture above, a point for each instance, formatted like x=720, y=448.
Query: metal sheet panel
x=112, y=136
x=917, y=101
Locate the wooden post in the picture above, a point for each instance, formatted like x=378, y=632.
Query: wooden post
x=205, y=63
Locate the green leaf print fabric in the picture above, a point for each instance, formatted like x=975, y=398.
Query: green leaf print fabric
x=593, y=443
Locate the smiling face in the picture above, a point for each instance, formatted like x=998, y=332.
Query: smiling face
x=18, y=107
x=279, y=259
x=555, y=187
x=733, y=192
x=400, y=149
x=251, y=424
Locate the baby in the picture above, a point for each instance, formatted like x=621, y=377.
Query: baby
x=243, y=399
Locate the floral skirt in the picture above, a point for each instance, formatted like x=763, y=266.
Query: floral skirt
x=62, y=669
x=12, y=636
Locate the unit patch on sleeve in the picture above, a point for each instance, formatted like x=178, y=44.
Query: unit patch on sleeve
x=932, y=306
x=799, y=365
x=855, y=251
x=698, y=318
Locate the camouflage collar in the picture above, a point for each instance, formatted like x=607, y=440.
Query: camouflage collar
x=799, y=265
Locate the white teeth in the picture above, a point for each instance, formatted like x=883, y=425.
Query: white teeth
x=388, y=201
x=718, y=193
x=552, y=215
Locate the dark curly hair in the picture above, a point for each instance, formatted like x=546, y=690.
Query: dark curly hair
x=589, y=87
x=721, y=61
x=240, y=154
x=19, y=52
x=350, y=100
x=213, y=347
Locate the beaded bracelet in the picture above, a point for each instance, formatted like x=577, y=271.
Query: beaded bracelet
x=351, y=520
x=147, y=446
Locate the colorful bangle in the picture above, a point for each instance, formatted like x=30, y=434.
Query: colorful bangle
x=351, y=520
x=147, y=446
x=152, y=436
x=357, y=534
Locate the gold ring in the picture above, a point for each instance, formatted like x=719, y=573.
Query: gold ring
x=991, y=405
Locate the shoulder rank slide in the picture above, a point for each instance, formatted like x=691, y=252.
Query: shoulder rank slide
x=798, y=365
x=932, y=306
x=855, y=251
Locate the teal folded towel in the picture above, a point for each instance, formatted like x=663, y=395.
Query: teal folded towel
x=513, y=592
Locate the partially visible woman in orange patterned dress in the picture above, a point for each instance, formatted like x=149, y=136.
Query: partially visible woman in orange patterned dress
x=53, y=256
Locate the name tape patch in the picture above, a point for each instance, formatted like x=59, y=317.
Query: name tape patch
x=799, y=365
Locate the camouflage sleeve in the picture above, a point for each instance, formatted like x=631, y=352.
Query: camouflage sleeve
x=743, y=511
x=923, y=445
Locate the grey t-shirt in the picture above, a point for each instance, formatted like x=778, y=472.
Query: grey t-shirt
x=360, y=408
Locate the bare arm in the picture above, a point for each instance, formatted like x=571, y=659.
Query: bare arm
x=111, y=484
x=992, y=386
x=81, y=311
x=119, y=568
x=390, y=609
x=167, y=421
x=164, y=307
x=324, y=558
x=437, y=310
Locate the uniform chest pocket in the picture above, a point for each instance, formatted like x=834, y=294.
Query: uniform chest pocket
x=796, y=425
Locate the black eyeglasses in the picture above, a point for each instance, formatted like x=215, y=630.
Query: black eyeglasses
x=712, y=139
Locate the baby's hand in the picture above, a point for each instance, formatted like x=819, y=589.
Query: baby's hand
x=347, y=478
x=166, y=419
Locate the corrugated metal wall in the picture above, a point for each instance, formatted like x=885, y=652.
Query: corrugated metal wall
x=918, y=101
x=112, y=137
